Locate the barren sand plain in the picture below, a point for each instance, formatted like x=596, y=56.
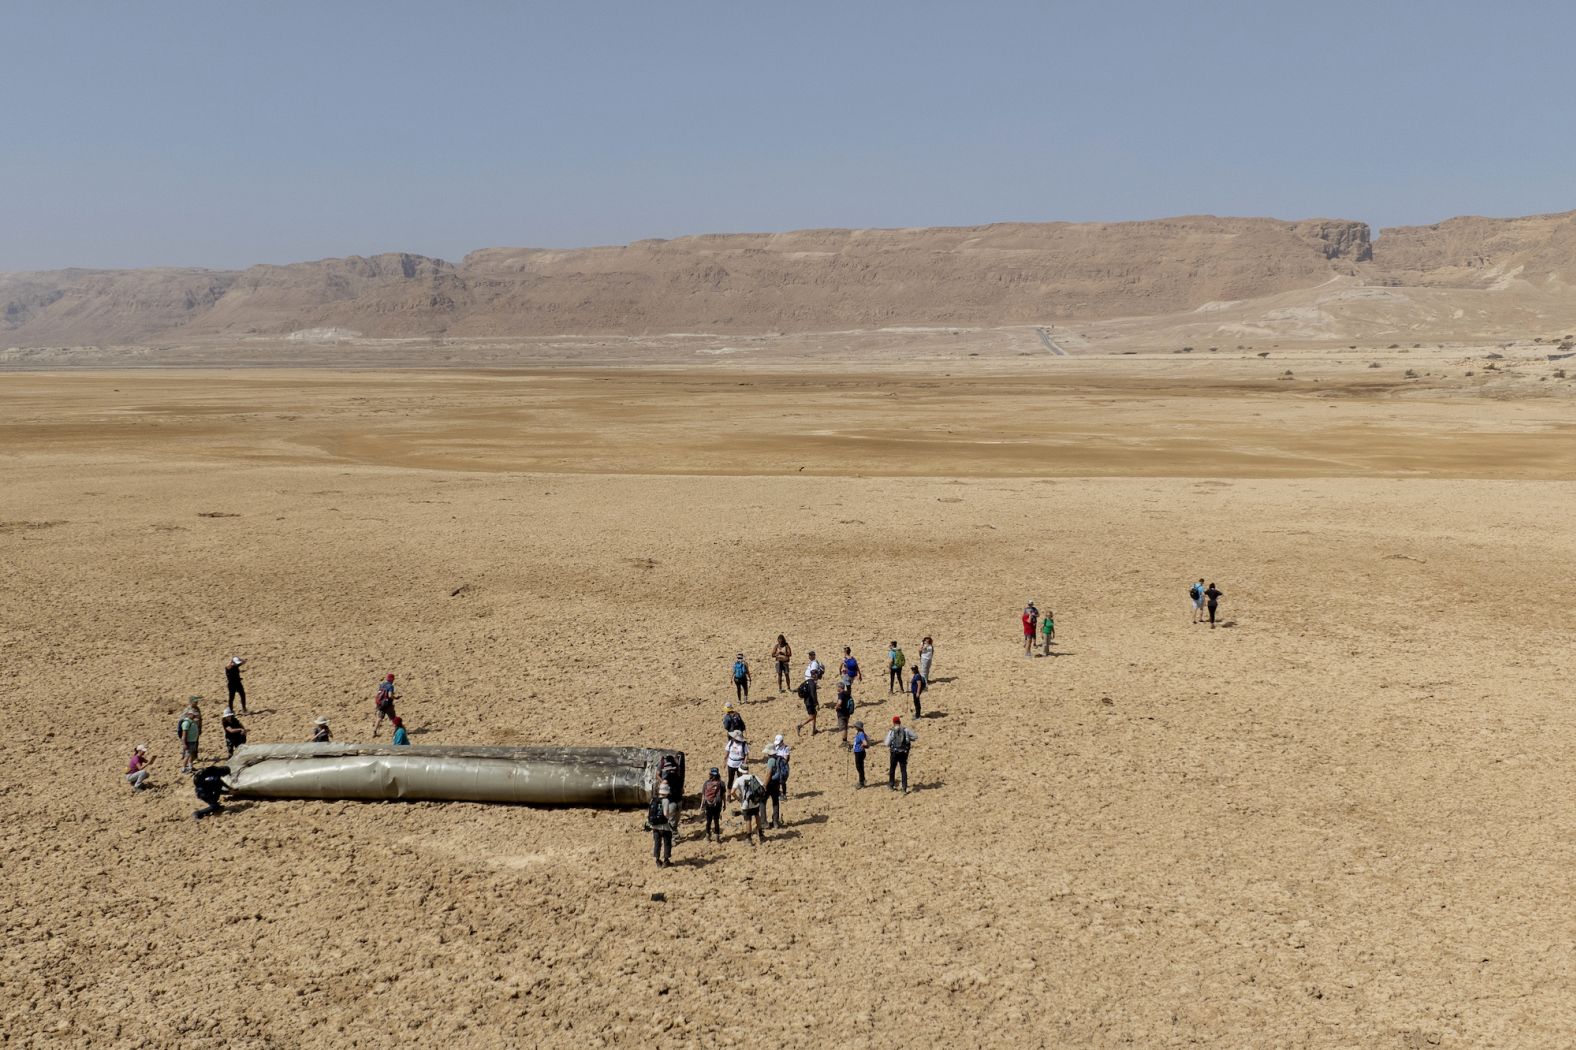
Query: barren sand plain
x=1341, y=820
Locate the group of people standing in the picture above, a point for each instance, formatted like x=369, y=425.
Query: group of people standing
x=1037, y=629
x=208, y=781
x=760, y=796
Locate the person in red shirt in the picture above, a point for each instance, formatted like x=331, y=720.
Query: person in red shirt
x=1031, y=622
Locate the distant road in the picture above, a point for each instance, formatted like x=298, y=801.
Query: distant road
x=1050, y=344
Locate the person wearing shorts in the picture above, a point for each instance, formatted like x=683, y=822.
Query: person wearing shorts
x=1031, y=621
x=782, y=653
x=1195, y=594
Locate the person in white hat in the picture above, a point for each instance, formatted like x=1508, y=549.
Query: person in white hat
x=776, y=780
x=137, y=768
x=737, y=755
x=320, y=733
x=232, y=680
x=234, y=731
x=752, y=797
x=662, y=819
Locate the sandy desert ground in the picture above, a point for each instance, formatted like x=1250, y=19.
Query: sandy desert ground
x=1342, y=820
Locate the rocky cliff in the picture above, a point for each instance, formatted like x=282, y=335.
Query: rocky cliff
x=1010, y=273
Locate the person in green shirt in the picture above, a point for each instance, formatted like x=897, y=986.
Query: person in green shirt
x=1048, y=629
x=189, y=731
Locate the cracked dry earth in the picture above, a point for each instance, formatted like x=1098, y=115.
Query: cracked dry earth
x=1341, y=820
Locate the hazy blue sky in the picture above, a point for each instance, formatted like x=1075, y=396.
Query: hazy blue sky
x=222, y=133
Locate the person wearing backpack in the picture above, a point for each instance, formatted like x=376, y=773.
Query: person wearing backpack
x=662, y=820
x=741, y=678
x=383, y=704
x=1031, y=621
x=738, y=754
x=898, y=741
x=1195, y=595
x=776, y=780
x=895, y=662
x=810, y=693
x=751, y=794
x=713, y=794
x=188, y=730
x=731, y=719
x=844, y=709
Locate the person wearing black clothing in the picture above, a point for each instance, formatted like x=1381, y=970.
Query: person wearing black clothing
x=1212, y=595
x=209, y=785
x=916, y=687
x=234, y=732
x=232, y=680
x=732, y=720
x=712, y=795
x=898, y=741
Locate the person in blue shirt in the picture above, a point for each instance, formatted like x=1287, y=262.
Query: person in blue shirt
x=916, y=687
x=851, y=672
x=401, y=737
x=861, y=745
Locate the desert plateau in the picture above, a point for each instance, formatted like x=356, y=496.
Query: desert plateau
x=1340, y=819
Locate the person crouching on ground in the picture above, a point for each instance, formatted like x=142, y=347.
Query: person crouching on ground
x=320, y=733
x=401, y=738
x=137, y=768
x=751, y=794
x=713, y=794
x=662, y=819
x=209, y=784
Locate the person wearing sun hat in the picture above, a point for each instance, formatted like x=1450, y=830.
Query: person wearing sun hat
x=738, y=754
x=320, y=733
x=776, y=780
x=234, y=731
x=189, y=731
x=232, y=681
x=137, y=768
x=731, y=719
